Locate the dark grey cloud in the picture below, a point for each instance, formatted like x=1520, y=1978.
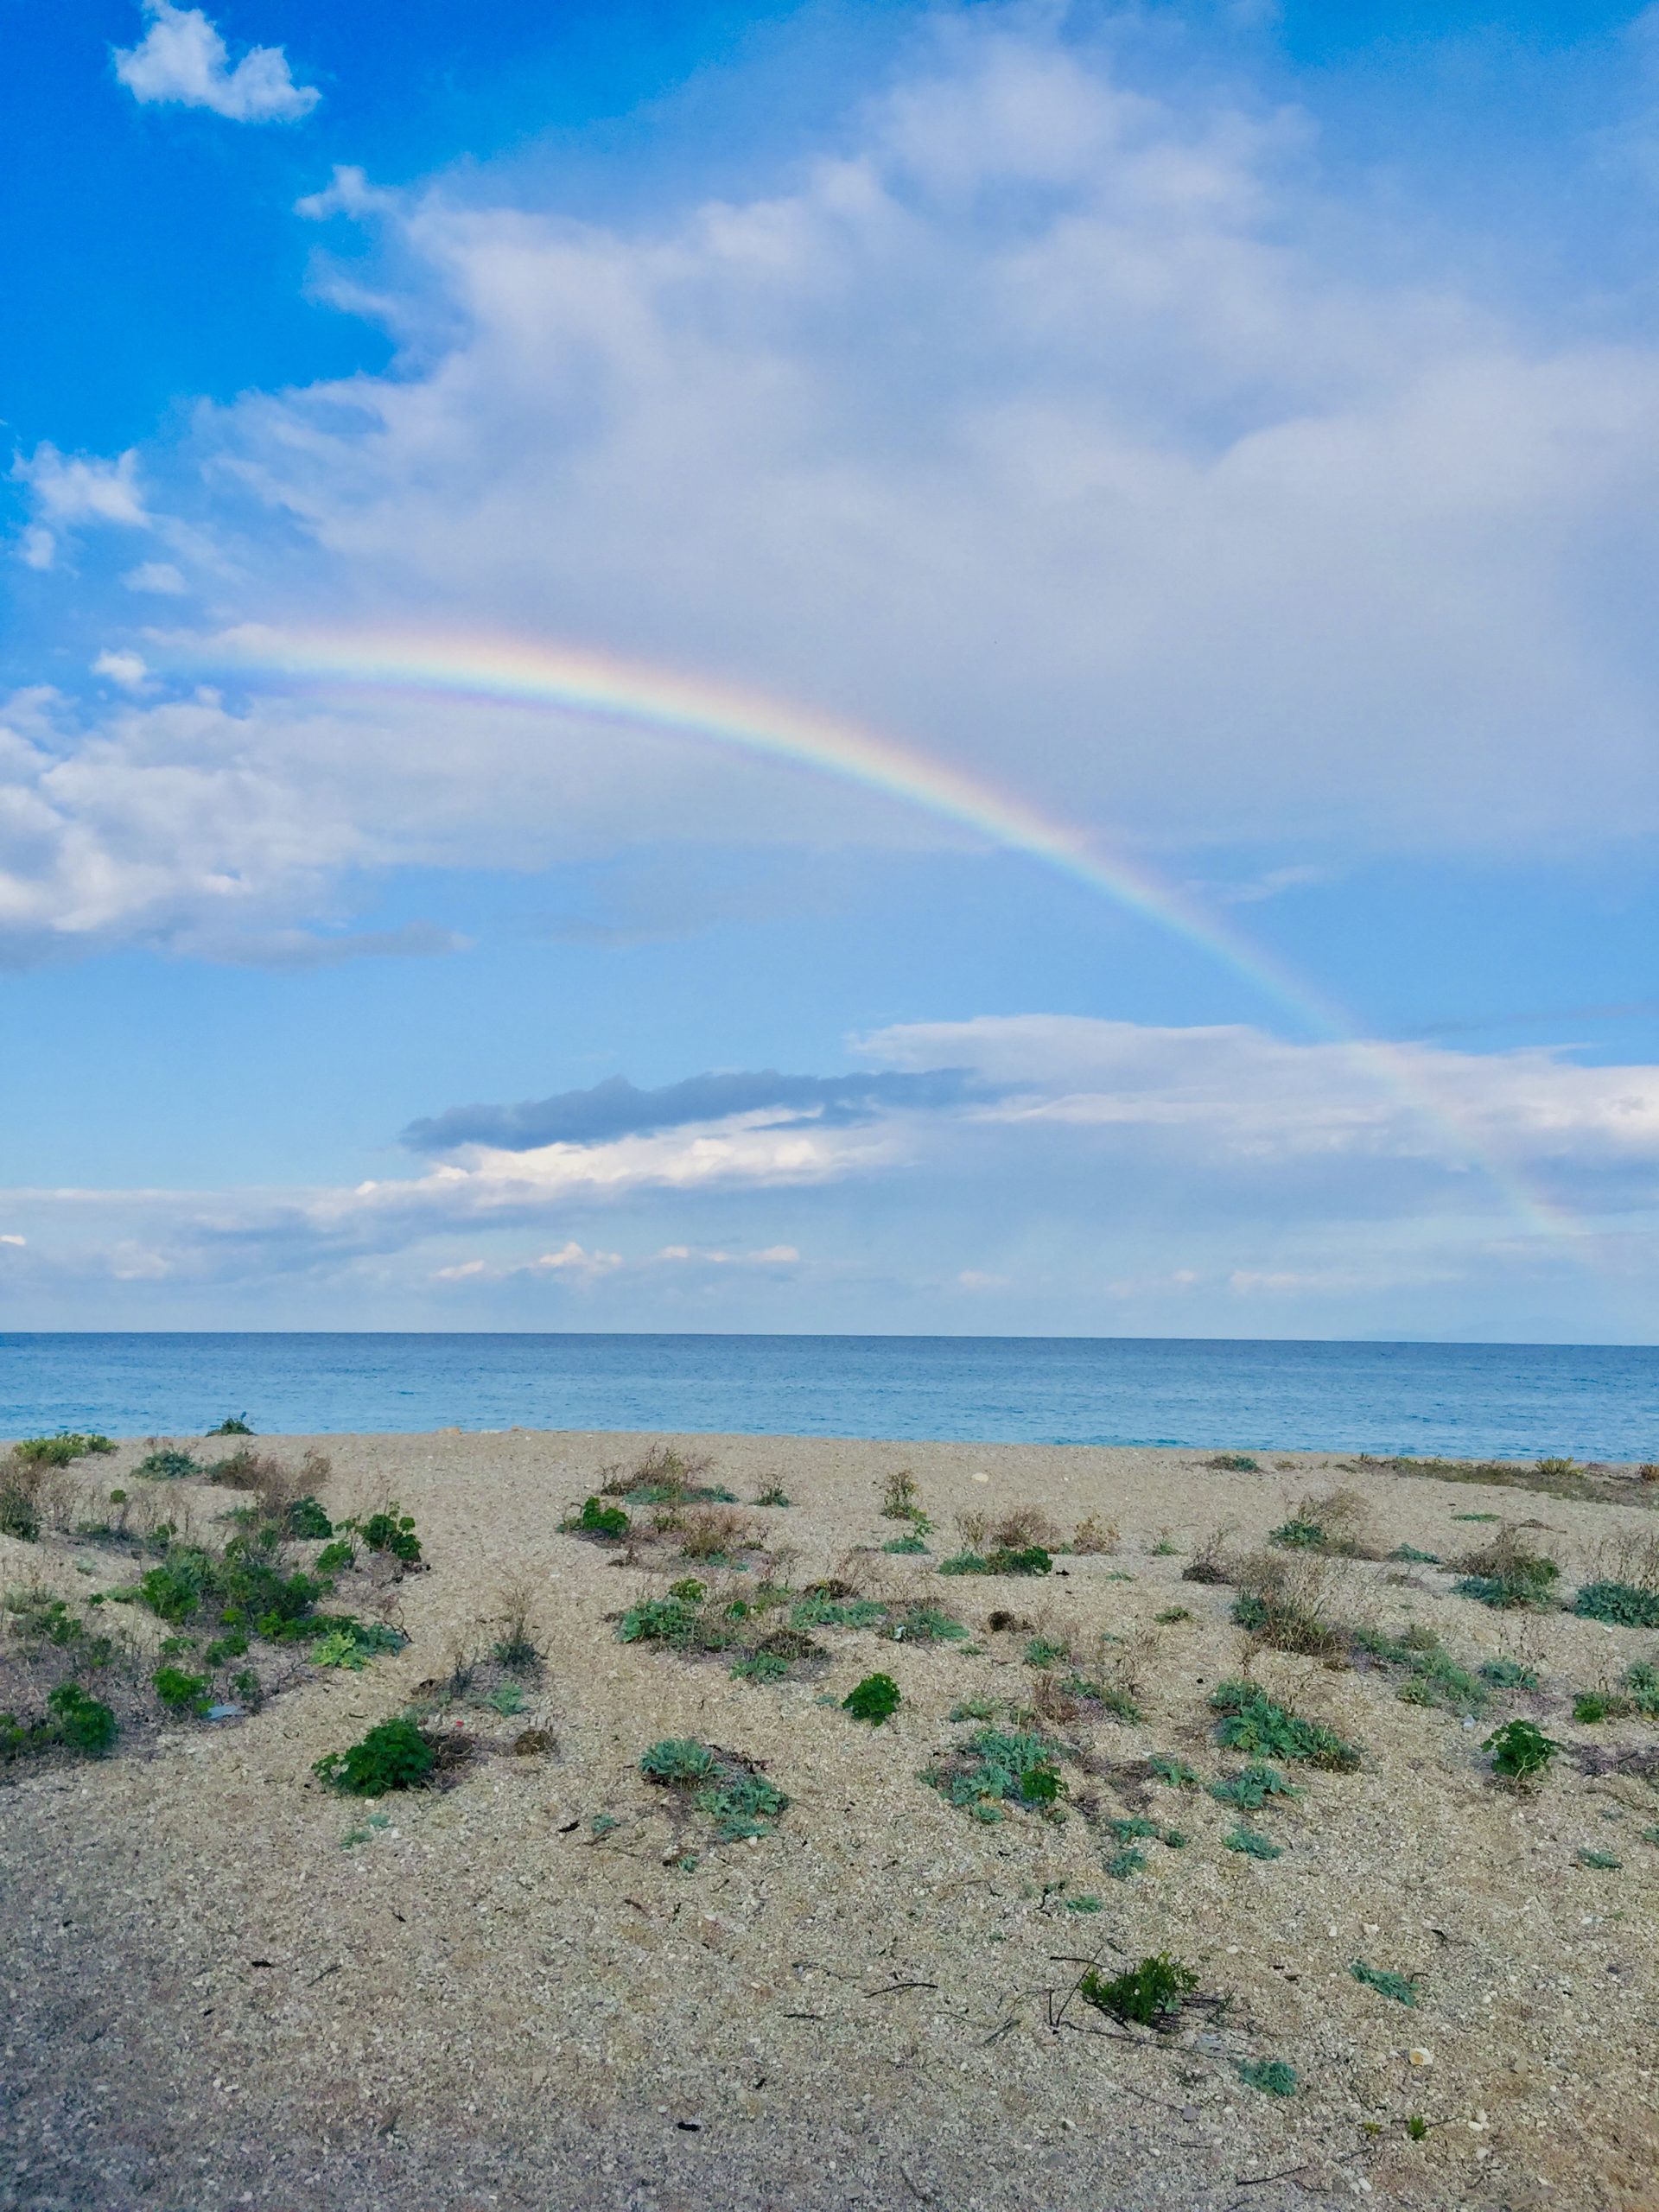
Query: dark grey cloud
x=617, y=1107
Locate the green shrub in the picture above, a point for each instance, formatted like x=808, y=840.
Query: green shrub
x=741, y=1805
x=394, y=1755
x=1280, y=1620
x=1521, y=1751
x=1026, y=1559
x=1149, y=1995
x=1274, y=2076
x=998, y=1767
x=875, y=1700
x=761, y=1667
x=181, y=1692
x=1400, y=1987
x=598, y=1519
x=82, y=1723
x=1591, y=1705
x=1176, y=1772
x=168, y=1465
x=921, y=1624
x=773, y=1495
x=58, y=1450
x=1507, y=1576
x=911, y=1543
x=1623, y=1605
x=307, y=1520
x=677, y=1761
x=1045, y=1650
x=1121, y=1864
x=18, y=1517
x=392, y=1531
x=1254, y=1723
x=1251, y=1789
x=1508, y=1674
x=1234, y=1463
x=338, y=1557
x=233, y=1425
x=1604, y=1862
x=1253, y=1846
x=352, y=1644
x=1296, y=1535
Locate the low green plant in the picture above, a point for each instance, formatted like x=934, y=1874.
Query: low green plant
x=1167, y=1768
x=233, y=1425
x=919, y=1623
x=58, y=1450
x=1255, y=1723
x=761, y=1667
x=180, y=1691
x=393, y=1755
x=1253, y=1787
x=999, y=1767
x=974, y=1708
x=1046, y=1651
x=742, y=1806
x=1592, y=1706
x=1416, y=2128
x=1508, y=1674
x=374, y=1824
x=1252, y=1844
x=337, y=1558
x=1641, y=1682
x=392, y=1531
x=773, y=1495
x=1410, y=1555
x=875, y=1700
x=1508, y=1577
x=676, y=1762
x=597, y=1519
x=1121, y=1864
x=1603, y=1861
x=1521, y=1751
x=901, y=1498
x=1085, y=1901
x=1276, y=2077
x=306, y=1520
x=1554, y=1467
x=1171, y=1614
x=81, y=1723
x=1476, y=1517
x=1026, y=1559
x=168, y=1464
x=1296, y=1535
x=1622, y=1605
x=1149, y=1995
x=1234, y=1463
x=506, y=1699
x=907, y=1544
x=1402, y=1987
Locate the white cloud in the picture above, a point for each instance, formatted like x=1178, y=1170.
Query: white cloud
x=19, y=1241
x=127, y=669
x=348, y=191
x=68, y=490
x=974, y=428
x=157, y=577
x=183, y=58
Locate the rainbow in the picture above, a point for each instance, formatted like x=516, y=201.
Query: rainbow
x=515, y=672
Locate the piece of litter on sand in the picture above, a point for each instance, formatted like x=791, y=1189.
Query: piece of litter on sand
x=224, y=1712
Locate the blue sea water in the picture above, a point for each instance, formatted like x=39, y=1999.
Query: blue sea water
x=1463, y=1401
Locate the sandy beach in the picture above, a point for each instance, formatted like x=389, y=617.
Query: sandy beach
x=546, y=1983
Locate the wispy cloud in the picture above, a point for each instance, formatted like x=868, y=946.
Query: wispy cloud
x=182, y=59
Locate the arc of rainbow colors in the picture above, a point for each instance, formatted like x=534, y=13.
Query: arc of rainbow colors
x=512, y=671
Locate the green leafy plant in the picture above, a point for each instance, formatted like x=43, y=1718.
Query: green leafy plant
x=306, y=1520
x=740, y=1803
x=1603, y=1861
x=58, y=1450
x=1592, y=1706
x=1149, y=1995
x=233, y=1425
x=393, y=1532
x=1253, y=1787
x=999, y=1767
x=1402, y=1988
x=82, y=1723
x=1252, y=1844
x=1121, y=1864
x=393, y=1755
x=875, y=1700
x=911, y=1543
x=1408, y=1554
x=1622, y=1605
x=168, y=1464
x=337, y=1558
x=1254, y=1723
x=677, y=1761
x=1507, y=1576
x=1085, y=1901
x=1171, y=1614
x=1233, y=1462
x=1045, y=1651
x=773, y=1495
x=1521, y=1751
x=761, y=1667
x=1276, y=2077
x=1508, y=1674
x=1296, y=1535
x=352, y=1644
x=181, y=1692
x=1167, y=1768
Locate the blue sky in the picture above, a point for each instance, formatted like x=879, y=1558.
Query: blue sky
x=1228, y=429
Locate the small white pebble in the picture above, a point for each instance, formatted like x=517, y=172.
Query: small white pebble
x=1419, y=2056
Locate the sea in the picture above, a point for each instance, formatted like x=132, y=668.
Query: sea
x=1588, y=1401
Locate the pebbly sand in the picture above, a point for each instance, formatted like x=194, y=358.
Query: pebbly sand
x=498, y=1999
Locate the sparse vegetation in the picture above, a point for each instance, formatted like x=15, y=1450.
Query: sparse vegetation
x=233, y=1425
x=1283, y=1602
x=1176, y=1773
x=1094, y=1535
x=1233, y=1462
x=168, y=1464
x=773, y=1495
x=1253, y=1787
x=1507, y=1574
x=1275, y=2077
x=1623, y=1605
x=58, y=1451
x=1031, y=1560
x=726, y=1788
x=1250, y=1844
